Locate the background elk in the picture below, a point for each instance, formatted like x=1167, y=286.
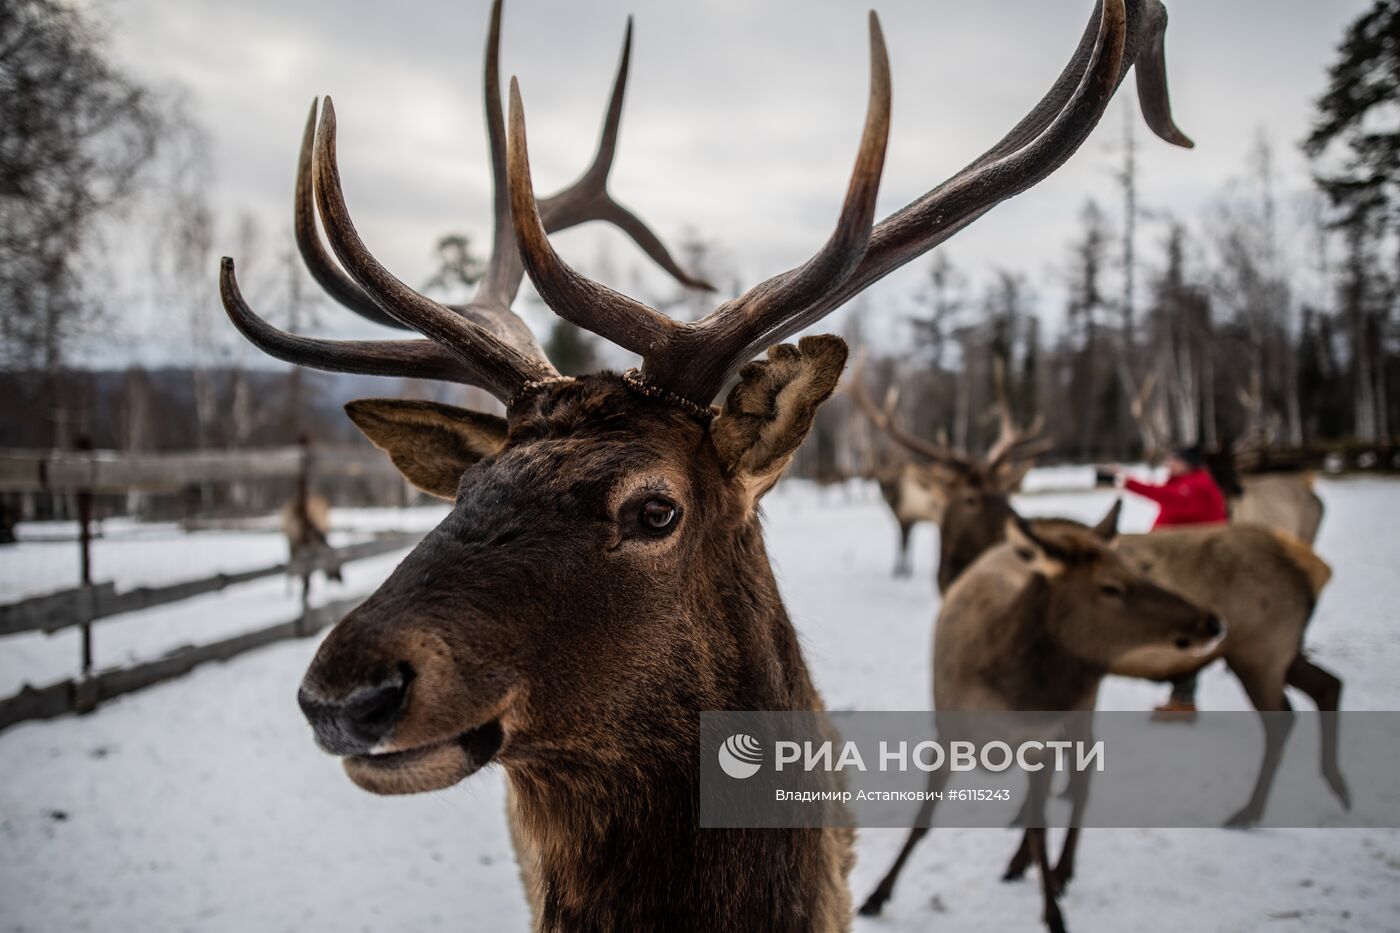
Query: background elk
x=968, y=498
x=1284, y=500
x=601, y=578
x=906, y=486
x=1263, y=582
x=1035, y=624
x=306, y=522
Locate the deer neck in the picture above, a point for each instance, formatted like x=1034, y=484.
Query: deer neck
x=1030, y=667
x=618, y=844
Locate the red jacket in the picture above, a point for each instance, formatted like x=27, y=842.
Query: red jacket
x=1189, y=499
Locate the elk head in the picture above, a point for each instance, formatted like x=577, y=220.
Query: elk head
x=974, y=494
x=1101, y=609
x=601, y=576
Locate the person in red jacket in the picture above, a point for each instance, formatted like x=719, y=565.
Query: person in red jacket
x=1190, y=496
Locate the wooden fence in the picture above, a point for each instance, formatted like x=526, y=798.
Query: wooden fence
x=86, y=473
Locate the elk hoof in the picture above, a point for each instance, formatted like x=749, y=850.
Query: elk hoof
x=1055, y=923
x=1245, y=819
x=873, y=904
x=1339, y=787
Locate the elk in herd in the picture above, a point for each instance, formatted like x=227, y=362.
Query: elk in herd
x=601, y=577
x=306, y=522
x=1284, y=500
x=1263, y=582
x=968, y=498
x=1034, y=625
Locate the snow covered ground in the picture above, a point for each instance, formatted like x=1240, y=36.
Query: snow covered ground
x=202, y=804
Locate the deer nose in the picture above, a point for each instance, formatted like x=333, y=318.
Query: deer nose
x=1213, y=626
x=358, y=721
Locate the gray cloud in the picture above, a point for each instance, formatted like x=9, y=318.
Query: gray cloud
x=741, y=119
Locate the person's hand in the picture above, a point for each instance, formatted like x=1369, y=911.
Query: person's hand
x=1107, y=475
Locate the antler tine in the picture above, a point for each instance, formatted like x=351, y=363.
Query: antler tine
x=1006, y=424
x=1013, y=443
x=1145, y=49
x=503, y=368
x=884, y=420
x=405, y=358
x=735, y=331
x=587, y=199
x=695, y=360
x=579, y=300
x=1151, y=69
x=998, y=174
x=1155, y=439
x=318, y=262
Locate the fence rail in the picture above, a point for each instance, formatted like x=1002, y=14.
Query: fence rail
x=102, y=471
x=84, y=694
x=85, y=604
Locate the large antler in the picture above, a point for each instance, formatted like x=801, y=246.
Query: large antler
x=1156, y=434
x=696, y=360
x=1260, y=429
x=1013, y=443
x=481, y=343
x=883, y=417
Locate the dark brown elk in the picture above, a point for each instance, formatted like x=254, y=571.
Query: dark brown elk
x=1034, y=625
x=968, y=498
x=1283, y=500
x=601, y=578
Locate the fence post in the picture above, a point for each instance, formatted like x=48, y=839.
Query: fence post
x=85, y=700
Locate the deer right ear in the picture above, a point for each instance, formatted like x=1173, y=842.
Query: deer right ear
x=431, y=444
x=1029, y=548
x=770, y=409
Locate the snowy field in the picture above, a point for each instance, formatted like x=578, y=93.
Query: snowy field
x=203, y=805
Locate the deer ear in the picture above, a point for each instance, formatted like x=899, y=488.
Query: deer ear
x=1030, y=549
x=770, y=410
x=1107, y=528
x=431, y=444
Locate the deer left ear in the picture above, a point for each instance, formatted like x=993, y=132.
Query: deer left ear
x=431, y=444
x=770, y=410
x=1107, y=528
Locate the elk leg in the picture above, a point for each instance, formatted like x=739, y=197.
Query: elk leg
x=937, y=780
x=1079, y=798
x=1266, y=693
x=1016, y=868
x=1039, y=851
x=1325, y=688
x=901, y=563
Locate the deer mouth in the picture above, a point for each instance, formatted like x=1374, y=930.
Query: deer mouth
x=434, y=766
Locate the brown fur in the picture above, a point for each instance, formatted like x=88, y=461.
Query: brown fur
x=537, y=602
x=1317, y=570
x=1283, y=501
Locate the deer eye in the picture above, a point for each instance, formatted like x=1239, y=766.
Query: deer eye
x=658, y=514
x=1112, y=591
x=651, y=517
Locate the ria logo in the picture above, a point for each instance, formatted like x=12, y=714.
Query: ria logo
x=741, y=756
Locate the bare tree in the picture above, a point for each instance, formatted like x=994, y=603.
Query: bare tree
x=75, y=134
x=182, y=253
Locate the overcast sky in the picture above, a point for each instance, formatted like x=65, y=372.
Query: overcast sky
x=741, y=119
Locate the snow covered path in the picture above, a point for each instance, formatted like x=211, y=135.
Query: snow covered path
x=202, y=804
